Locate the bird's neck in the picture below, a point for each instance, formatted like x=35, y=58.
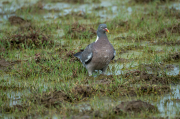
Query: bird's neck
x=101, y=38
x=99, y=34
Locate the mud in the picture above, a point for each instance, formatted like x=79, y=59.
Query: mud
x=104, y=81
x=51, y=99
x=134, y=107
x=77, y=30
x=31, y=39
x=142, y=76
x=56, y=98
x=82, y=91
x=172, y=57
x=5, y=2
x=16, y=20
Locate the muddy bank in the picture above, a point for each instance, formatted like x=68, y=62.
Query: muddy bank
x=16, y=20
x=130, y=107
x=51, y=99
x=83, y=92
x=31, y=39
x=172, y=57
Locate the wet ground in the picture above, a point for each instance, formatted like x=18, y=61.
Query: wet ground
x=40, y=77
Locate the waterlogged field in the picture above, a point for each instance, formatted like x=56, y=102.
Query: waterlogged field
x=40, y=77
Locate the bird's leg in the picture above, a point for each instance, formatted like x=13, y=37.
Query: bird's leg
x=104, y=69
x=89, y=69
x=90, y=73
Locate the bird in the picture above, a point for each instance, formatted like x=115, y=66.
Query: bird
x=97, y=55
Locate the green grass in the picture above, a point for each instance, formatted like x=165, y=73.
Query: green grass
x=51, y=82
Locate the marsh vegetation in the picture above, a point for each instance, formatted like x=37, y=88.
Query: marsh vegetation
x=40, y=77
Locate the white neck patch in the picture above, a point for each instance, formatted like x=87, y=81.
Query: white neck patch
x=97, y=39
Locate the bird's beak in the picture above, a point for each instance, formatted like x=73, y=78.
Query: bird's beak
x=107, y=30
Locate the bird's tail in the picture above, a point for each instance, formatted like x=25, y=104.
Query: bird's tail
x=78, y=54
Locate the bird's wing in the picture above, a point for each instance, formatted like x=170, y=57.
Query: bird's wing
x=87, y=54
x=114, y=54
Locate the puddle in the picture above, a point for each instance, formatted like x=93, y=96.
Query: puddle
x=167, y=106
x=13, y=5
x=175, y=5
x=173, y=71
x=15, y=96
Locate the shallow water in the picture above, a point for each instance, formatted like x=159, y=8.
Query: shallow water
x=7, y=10
x=167, y=106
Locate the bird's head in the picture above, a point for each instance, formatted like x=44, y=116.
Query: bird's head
x=102, y=29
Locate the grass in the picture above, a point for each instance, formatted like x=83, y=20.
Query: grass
x=50, y=82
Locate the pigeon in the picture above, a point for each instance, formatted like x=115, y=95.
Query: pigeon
x=97, y=55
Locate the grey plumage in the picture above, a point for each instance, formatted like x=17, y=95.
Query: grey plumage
x=98, y=54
